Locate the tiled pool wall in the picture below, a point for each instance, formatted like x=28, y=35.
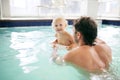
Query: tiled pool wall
x=111, y=22
x=15, y=23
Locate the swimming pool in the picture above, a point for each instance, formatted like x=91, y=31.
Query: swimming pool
x=25, y=55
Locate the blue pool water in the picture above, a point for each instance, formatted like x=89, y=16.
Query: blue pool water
x=25, y=55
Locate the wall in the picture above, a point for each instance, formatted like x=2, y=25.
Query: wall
x=119, y=8
x=5, y=8
x=92, y=8
x=0, y=10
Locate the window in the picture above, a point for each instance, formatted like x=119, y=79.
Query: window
x=108, y=8
x=46, y=8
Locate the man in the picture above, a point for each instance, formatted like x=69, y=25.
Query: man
x=91, y=54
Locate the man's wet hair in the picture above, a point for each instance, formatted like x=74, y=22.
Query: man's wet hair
x=88, y=28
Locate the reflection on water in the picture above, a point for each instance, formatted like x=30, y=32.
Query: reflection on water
x=106, y=75
x=24, y=43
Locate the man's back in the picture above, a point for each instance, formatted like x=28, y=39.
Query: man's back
x=91, y=58
x=104, y=53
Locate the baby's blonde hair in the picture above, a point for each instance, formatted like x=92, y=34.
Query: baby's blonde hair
x=59, y=18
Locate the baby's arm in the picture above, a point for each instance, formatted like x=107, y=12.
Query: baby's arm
x=54, y=53
x=57, y=58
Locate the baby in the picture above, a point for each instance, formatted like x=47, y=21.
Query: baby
x=62, y=37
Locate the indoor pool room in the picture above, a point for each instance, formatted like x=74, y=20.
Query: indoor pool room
x=27, y=33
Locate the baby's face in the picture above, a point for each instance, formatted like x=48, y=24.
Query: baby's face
x=59, y=25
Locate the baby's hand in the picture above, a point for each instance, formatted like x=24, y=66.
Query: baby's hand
x=68, y=47
x=71, y=46
x=53, y=45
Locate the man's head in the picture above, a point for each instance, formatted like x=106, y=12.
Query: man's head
x=87, y=28
x=59, y=24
